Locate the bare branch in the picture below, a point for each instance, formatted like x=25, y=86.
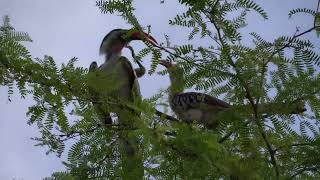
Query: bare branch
x=293, y=145
x=315, y=19
x=166, y=116
x=291, y=41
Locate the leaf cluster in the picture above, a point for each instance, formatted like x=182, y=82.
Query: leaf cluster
x=269, y=84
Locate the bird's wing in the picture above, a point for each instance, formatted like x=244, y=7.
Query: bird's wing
x=93, y=66
x=133, y=80
x=91, y=79
x=102, y=113
x=192, y=100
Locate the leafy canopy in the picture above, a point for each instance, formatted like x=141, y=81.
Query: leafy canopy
x=278, y=142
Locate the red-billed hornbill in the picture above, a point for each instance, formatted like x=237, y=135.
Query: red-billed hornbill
x=192, y=106
x=125, y=86
x=122, y=80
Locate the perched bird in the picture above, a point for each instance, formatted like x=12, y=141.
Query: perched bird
x=119, y=66
x=205, y=109
x=117, y=80
x=118, y=71
x=192, y=106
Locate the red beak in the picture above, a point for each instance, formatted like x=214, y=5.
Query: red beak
x=141, y=35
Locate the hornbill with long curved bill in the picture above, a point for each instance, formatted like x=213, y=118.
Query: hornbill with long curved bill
x=205, y=109
x=117, y=39
x=119, y=69
x=122, y=80
x=192, y=106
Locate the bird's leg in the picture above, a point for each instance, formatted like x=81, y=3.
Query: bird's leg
x=141, y=70
x=132, y=158
x=132, y=161
x=103, y=114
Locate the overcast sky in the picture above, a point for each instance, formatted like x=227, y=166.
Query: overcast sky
x=75, y=28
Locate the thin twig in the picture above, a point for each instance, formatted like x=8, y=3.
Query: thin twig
x=225, y=137
x=166, y=116
x=195, y=50
x=178, y=56
x=192, y=62
x=315, y=18
x=215, y=4
x=293, y=145
x=291, y=40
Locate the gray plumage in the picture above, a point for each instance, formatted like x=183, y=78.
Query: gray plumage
x=119, y=83
x=206, y=109
x=125, y=89
x=95, y=96
x=117, y=70
x=192, y=106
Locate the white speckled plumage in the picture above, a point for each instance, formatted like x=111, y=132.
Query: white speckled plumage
x=192, y=106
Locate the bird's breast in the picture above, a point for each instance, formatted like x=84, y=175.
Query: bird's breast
x=191, y=115
x=120, y=80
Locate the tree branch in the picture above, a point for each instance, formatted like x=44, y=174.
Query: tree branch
x=250, y=98
x=304, y=169
x=215, y=4
x=293, y=145
x=291, y=41
x=317, y=11
x=192, y=62
x=225, y=137
x=166, y=116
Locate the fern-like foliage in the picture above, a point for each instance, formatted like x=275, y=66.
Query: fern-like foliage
x=6, y=30
x=273, y=86
x=302, y=10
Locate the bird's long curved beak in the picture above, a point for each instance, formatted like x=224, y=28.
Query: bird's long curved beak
x=151, y=39
x=142, y=35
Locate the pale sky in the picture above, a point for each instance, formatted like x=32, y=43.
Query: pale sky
x=75, y=28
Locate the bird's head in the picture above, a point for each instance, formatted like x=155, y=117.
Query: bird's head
x=176, y=76
x=117, y=39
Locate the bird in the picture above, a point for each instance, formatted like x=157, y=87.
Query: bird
x=192, y=106
x=205, y=109
x=118, y=70
x=111, y=47
x=117, y=79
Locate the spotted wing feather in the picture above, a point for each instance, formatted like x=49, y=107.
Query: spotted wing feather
x=196, y=100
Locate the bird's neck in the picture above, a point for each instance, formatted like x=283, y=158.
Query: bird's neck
x=112, y=56
x=177, y=85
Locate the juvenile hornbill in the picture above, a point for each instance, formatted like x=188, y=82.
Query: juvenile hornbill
x=205, y=109
x=192, y=106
